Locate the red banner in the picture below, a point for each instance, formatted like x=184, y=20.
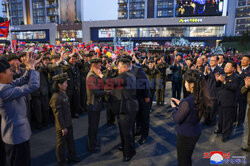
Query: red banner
x=4, y=28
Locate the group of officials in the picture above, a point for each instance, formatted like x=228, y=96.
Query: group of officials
x=57, y=86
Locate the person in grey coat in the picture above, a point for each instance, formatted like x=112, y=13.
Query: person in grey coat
x=15, y=127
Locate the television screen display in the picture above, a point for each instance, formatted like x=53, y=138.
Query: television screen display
x=190, y=8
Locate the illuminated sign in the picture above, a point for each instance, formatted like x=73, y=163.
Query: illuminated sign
x=191, y=20
x=68, y=39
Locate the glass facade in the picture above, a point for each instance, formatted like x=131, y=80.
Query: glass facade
x=242, y=20
x=16, y=12
x=137, y=9
x=29, y=35
x=165, y=8
x=178, y=31
x=70, y=34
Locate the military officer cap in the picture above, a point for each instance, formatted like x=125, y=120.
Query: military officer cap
x=22, y=54
x=12, y=56
x=4, y=64
x=128, y=57
x=124, y=60
x=89, y=55
x=95, y=60
x=105, y=56
x=61, y=77
x=151, y=61
x=55, y=56
x=46, y=57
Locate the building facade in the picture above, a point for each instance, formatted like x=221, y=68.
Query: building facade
x=29, y=12
x=242, y=17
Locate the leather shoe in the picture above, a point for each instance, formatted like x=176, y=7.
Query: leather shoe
x=142, y=141
x=126, y=158
x=225, y=139
x=247, y=148
x=217, y=132
x=75, y=160
x=120, y=148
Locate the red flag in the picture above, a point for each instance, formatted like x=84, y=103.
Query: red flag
x=4, y=28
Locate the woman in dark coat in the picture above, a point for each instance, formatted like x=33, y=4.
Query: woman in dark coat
x=187, y=114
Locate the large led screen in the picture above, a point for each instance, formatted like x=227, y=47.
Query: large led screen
x=190, y=8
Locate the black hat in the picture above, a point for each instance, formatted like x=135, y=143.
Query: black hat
x=109, y=59
x=46, y=57
x=12, y=56
x=128, y=57
x=151, y=61
x=4, y=64
x=61, y=77
x=95, y=60
x=89, y=55
x=55, y=56
x=22, y=54
x=124, y=60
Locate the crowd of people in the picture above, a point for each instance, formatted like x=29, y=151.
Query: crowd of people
x=43, y=85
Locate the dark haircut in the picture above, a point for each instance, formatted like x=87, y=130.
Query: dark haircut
x=233, y=64
x=248, y=56
x=217, y=57
x=202, y=99
x=125, y=61
x=55, y=87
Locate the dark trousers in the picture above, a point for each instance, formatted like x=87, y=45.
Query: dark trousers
x=67, y=140
x=226, y=119
x=17, y=155
x=75, y=106
x=143, y=119
x=176, y=89
x=93, y=120
x=211, y=118
x=248, y=118
x=126, y=127
x=160, y=92
x=152, y=97
x=2, y=151
x=83, y=94
x=185, y=148
x=40, y=107
x=109, y=114
x=242, y=108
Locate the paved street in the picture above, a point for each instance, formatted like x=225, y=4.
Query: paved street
x=159, y=150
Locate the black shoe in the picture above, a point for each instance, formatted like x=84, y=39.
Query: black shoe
x=217, y=132
x=75, y=116
x=142, y=141
x=127, y=158
x=120, y=148
x=225, y=139
x=75, y=160
x=246, y=149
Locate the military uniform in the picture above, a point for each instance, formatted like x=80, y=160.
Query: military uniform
x=60, y=105
x=94, y=106
x=110, y=113
x=151, y=74
x=161, y=82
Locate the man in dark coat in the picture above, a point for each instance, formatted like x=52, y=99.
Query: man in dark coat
x=143, y=96
x=227, y=95
x=243, y=72
x=126, y=99
x=211, y=83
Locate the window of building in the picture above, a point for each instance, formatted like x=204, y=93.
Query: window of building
x=202, y=31
x=79, y=33
x=30, y=35
x=242, y=2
